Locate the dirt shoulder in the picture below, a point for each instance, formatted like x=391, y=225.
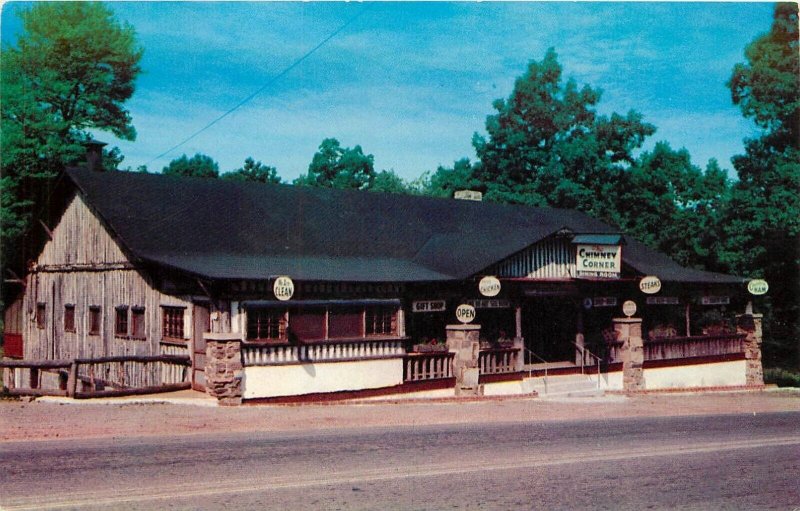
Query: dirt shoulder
x=37, y=420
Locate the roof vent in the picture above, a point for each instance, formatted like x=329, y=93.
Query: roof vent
x=468, y=195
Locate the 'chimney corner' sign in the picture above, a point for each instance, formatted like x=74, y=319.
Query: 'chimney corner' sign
x=599, y=261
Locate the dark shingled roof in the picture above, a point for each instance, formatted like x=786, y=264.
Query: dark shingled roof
x=231, y=230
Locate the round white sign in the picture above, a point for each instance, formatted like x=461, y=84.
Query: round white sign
x=650, y=285
x=283, y=288
x=629, y=308
x=758, y=287
x=465, y=313
x=489, y=286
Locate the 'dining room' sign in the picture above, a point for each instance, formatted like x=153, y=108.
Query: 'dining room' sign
x=603, y=261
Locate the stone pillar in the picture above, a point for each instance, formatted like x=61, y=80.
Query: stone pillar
x=464, y=341
x=224, y=370
x=750, y=326
x=518, y=321
x=629, y=331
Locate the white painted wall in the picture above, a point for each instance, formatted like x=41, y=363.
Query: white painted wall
x=719, y=374
x=295, y=380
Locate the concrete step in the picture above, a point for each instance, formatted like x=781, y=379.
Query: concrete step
x=562, y=386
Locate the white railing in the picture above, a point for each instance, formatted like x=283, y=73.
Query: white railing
x=498, y=360
x=266, y=354
x=428, y=366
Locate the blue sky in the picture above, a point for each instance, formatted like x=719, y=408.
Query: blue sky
x=412, y=82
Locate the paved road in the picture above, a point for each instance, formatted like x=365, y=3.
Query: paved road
x=713, y=462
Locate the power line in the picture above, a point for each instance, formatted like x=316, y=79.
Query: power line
x=266, y=85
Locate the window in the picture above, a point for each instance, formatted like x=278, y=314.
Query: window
x=121, y=321
x=69, y=318
x=380, y=321
x=172, y=322
x=95, y=320
x=137, y=323
x=266, y=324
x=345, y=323
x=307, y=324
x=41, y=315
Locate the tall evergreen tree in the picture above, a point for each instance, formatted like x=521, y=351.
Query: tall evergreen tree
x=548, y=146
x=762, y=224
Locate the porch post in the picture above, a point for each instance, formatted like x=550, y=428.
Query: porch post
x=579, y=338
x=464, y=341
x=224, y=370
x=518, y=320
x=629, y=331
x=750, y=326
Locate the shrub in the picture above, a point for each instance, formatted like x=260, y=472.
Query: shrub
x=781, y=377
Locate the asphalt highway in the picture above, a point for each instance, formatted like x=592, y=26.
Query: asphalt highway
x=714, y=462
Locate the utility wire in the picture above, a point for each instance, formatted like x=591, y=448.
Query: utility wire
x=266, y=85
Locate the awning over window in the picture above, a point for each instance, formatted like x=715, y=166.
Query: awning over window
x=598, y=239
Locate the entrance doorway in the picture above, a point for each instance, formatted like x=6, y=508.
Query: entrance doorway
x=200, y=324
x=549, y=326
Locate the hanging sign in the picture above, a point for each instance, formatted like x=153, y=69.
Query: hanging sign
x=662, y=300
x=629, y=308
x=489, y=286
x=599, y=261
x=283, y=288
x=489, y=304
x=650, y=285
x=604, y=301
x=757, y=287
x=428, y=306
x=465, y=313
x=715, y=300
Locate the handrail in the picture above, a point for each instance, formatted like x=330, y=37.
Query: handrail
x=530, y=371
x=597, y=359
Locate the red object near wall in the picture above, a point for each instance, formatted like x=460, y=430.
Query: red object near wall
x=12, y=345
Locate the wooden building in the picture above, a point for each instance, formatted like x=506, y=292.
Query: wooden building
x=274, y=291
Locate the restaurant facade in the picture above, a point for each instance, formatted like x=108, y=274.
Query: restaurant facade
x=279, y=293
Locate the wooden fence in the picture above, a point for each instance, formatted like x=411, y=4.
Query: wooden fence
x=97, y=377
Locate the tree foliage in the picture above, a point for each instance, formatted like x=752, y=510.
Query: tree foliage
x=199, y=165
x=762, y=221
x=71, y=70
x=334, y=166
x=671, y=205
x=254, y=171
x=547, y=145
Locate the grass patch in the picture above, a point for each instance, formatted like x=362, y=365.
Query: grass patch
x=781, y=377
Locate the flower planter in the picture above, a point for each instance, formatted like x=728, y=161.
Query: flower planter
x=429, y=348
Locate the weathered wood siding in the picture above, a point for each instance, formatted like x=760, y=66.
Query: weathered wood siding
x=83, y=266
x=12, y=316
x=552, y=258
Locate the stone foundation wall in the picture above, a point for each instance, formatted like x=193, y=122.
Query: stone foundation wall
x=224, y=369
